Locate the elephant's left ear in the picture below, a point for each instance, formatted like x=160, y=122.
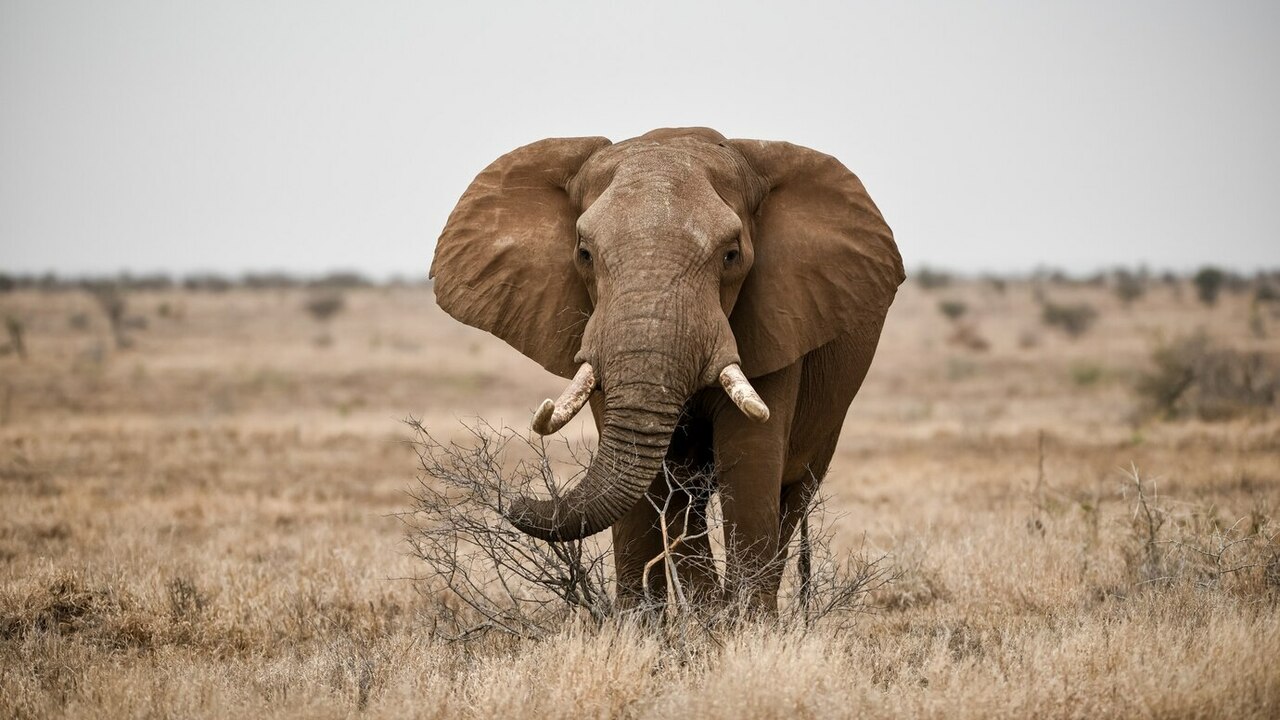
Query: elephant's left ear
x=825, y=260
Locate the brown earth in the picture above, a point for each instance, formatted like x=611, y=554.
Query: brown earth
x=203, y=524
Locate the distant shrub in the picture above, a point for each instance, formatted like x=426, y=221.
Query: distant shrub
x=207, y=282
x=324, y=305
x=7, y=283
x=997, y=283
x=931, y=279
x=1086, y=374
x=1257, y=325
x=1266, y=291
x=1074, y=319
x=269, y=281
x=1194, y=377
x=952, y=309
x=1052, y=276
x=153, y=281
x=342, y=280
x=113, y=304
x=1209, y=282
x=16, y=329
x=1128, y=286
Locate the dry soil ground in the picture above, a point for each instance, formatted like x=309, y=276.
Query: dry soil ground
x=202, y=525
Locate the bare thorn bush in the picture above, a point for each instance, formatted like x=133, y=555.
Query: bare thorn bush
x=931, y=279
x=829, y=588
x=323, y=305
x=16, y=329
x=1172, y=544
x=492, y=577
x=114, y=304
x=487, y=577
x=1209, y=282
x=1128, y=286
x=1074, y=320
x=1195, y=377
x=953, y=310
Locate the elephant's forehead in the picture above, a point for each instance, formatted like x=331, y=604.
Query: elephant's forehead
x=677, y=157
x=670, y=207
x=656, y=187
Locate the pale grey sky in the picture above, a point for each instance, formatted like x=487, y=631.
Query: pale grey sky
x=310, y=136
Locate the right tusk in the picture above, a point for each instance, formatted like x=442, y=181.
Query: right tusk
x=742, y=394
x=552, y=415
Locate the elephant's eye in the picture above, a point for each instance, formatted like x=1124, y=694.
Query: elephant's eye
x=584, y=255
x=731, y=256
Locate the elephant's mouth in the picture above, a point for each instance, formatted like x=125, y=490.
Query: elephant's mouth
x=633, y=444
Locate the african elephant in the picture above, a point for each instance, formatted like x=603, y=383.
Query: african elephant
x=717, y=302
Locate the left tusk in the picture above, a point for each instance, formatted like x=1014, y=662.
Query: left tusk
x=552, y=415
x=742, y=394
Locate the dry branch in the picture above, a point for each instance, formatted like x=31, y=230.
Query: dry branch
x=490, y=577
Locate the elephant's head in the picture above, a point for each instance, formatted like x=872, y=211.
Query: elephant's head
x=653, y=268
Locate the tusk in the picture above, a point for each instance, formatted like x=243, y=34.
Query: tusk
x=552, y=415
x=742, y=394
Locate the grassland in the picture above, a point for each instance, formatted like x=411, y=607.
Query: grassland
x=203, y=524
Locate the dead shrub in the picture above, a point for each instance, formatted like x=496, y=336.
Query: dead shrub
x=1074, y=320
x=16, y=329
x=931, y=279
x=1171, y=543
x=492, y=576
x=111, y=299
x=1209, y=282
x=1128, y=286
x=1195, y=377
x=186, y=602
x=825, y=587
x=488, y=577
x=952, y=310
x=323, y=305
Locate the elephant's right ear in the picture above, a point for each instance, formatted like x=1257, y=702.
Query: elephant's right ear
x=504, y=262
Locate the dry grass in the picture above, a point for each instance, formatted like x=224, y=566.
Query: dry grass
x=204, y=525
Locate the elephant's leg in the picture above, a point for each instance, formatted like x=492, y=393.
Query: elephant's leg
x=694, y=564
x=798, y=494
x=637, y=539
x=797, y=504
x=751, y=458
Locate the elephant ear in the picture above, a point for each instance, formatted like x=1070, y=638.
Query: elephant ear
x=504, y=262
x=825, y=260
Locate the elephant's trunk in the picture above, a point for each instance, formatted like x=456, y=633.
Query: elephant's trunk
x=635, y=432
x=646, y=380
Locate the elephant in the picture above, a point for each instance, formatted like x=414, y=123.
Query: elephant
x=717, y=302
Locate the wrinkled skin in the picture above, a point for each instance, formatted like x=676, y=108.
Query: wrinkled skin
x=660, y=261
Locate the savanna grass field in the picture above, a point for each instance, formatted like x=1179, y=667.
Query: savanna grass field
x=1073, y=490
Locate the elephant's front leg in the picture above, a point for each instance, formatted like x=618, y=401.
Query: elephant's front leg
x=643, y=556
x=637, y=539
x=751, y=457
